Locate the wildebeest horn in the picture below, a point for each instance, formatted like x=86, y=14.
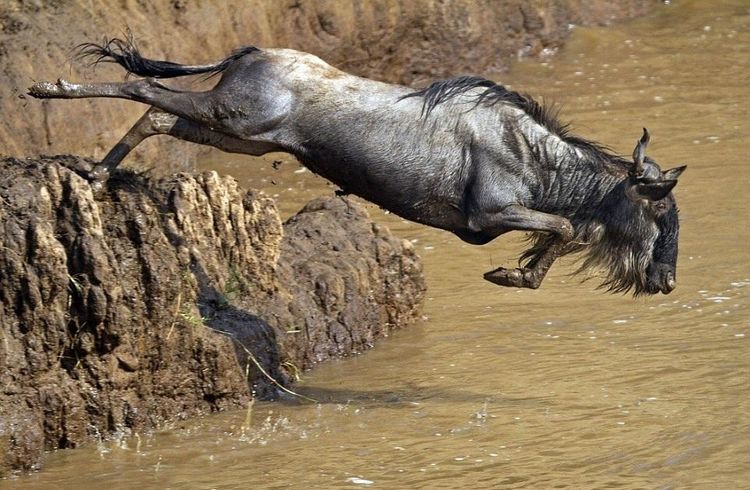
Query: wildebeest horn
x=673, y=173
x=655, y=191
x=639, y=153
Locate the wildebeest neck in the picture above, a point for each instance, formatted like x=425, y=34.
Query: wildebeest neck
x=574, y=176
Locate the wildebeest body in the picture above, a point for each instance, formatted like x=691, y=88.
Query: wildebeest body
x=464, y=155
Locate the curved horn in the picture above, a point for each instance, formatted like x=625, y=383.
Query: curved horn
x=639, y=153
x=673, y=173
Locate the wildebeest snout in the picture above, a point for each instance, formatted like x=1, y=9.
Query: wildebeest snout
x=662, y=278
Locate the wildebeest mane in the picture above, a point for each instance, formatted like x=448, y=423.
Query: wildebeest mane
x=626, y=267
x=494, y=93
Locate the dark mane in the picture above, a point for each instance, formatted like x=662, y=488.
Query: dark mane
x=546, y=116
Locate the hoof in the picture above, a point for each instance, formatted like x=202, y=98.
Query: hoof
x=505, y=277
x=42, y=90
x=98, y=179
x=514, y=278
x=98, y=186
x=49, y=90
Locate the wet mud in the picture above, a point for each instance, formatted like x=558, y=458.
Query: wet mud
x=158, y=300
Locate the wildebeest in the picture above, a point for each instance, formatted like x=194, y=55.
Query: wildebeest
x=465, y=155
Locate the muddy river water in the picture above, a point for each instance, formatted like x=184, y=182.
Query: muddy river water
x=564, y=387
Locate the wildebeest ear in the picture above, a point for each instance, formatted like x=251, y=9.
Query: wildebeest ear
x=673, y=173
x=639, y=153
x=655, y=191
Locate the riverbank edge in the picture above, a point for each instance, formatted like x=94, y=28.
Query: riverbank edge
x=158, y=300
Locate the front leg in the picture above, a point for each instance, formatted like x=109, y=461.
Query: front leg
x=532, y=274
x=516, y=217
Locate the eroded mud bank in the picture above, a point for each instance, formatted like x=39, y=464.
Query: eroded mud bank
x=126, y=310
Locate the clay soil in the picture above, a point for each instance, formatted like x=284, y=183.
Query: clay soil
x=159, y=300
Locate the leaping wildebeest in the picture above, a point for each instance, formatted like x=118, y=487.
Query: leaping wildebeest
x=465, y=155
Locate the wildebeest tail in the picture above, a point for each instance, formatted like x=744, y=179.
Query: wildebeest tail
x=126, y=54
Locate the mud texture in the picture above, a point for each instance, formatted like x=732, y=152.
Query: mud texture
x=132, y=309
x=411, y=42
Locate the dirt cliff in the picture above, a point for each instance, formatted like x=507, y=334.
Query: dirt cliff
x=408, y=42
x=124, y=311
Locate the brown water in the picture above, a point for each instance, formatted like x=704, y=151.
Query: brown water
x=565, y=387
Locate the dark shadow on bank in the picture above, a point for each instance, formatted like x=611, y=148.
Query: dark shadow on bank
x=254, y=340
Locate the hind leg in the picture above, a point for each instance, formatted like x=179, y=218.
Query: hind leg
x=156, y=121
x=213, y=108
x=197, y=106
x=65, y=90
x=229, y=112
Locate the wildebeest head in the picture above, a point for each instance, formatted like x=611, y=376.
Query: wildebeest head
x=638, y=240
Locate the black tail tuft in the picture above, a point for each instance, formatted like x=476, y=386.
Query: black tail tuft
x=125, y=53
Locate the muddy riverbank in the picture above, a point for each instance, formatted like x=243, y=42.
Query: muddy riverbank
x=161, y=300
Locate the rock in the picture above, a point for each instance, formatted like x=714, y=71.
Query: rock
x=360, y=281
x=160, y=300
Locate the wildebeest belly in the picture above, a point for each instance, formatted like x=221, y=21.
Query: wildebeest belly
x=414, y=182
x=366, y=138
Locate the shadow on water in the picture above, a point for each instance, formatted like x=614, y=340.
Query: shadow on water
x=409, y=394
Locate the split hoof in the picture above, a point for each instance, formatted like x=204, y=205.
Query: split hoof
x=49, y=90
x=98, y=179
x=98, y=186
x=514, y=278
